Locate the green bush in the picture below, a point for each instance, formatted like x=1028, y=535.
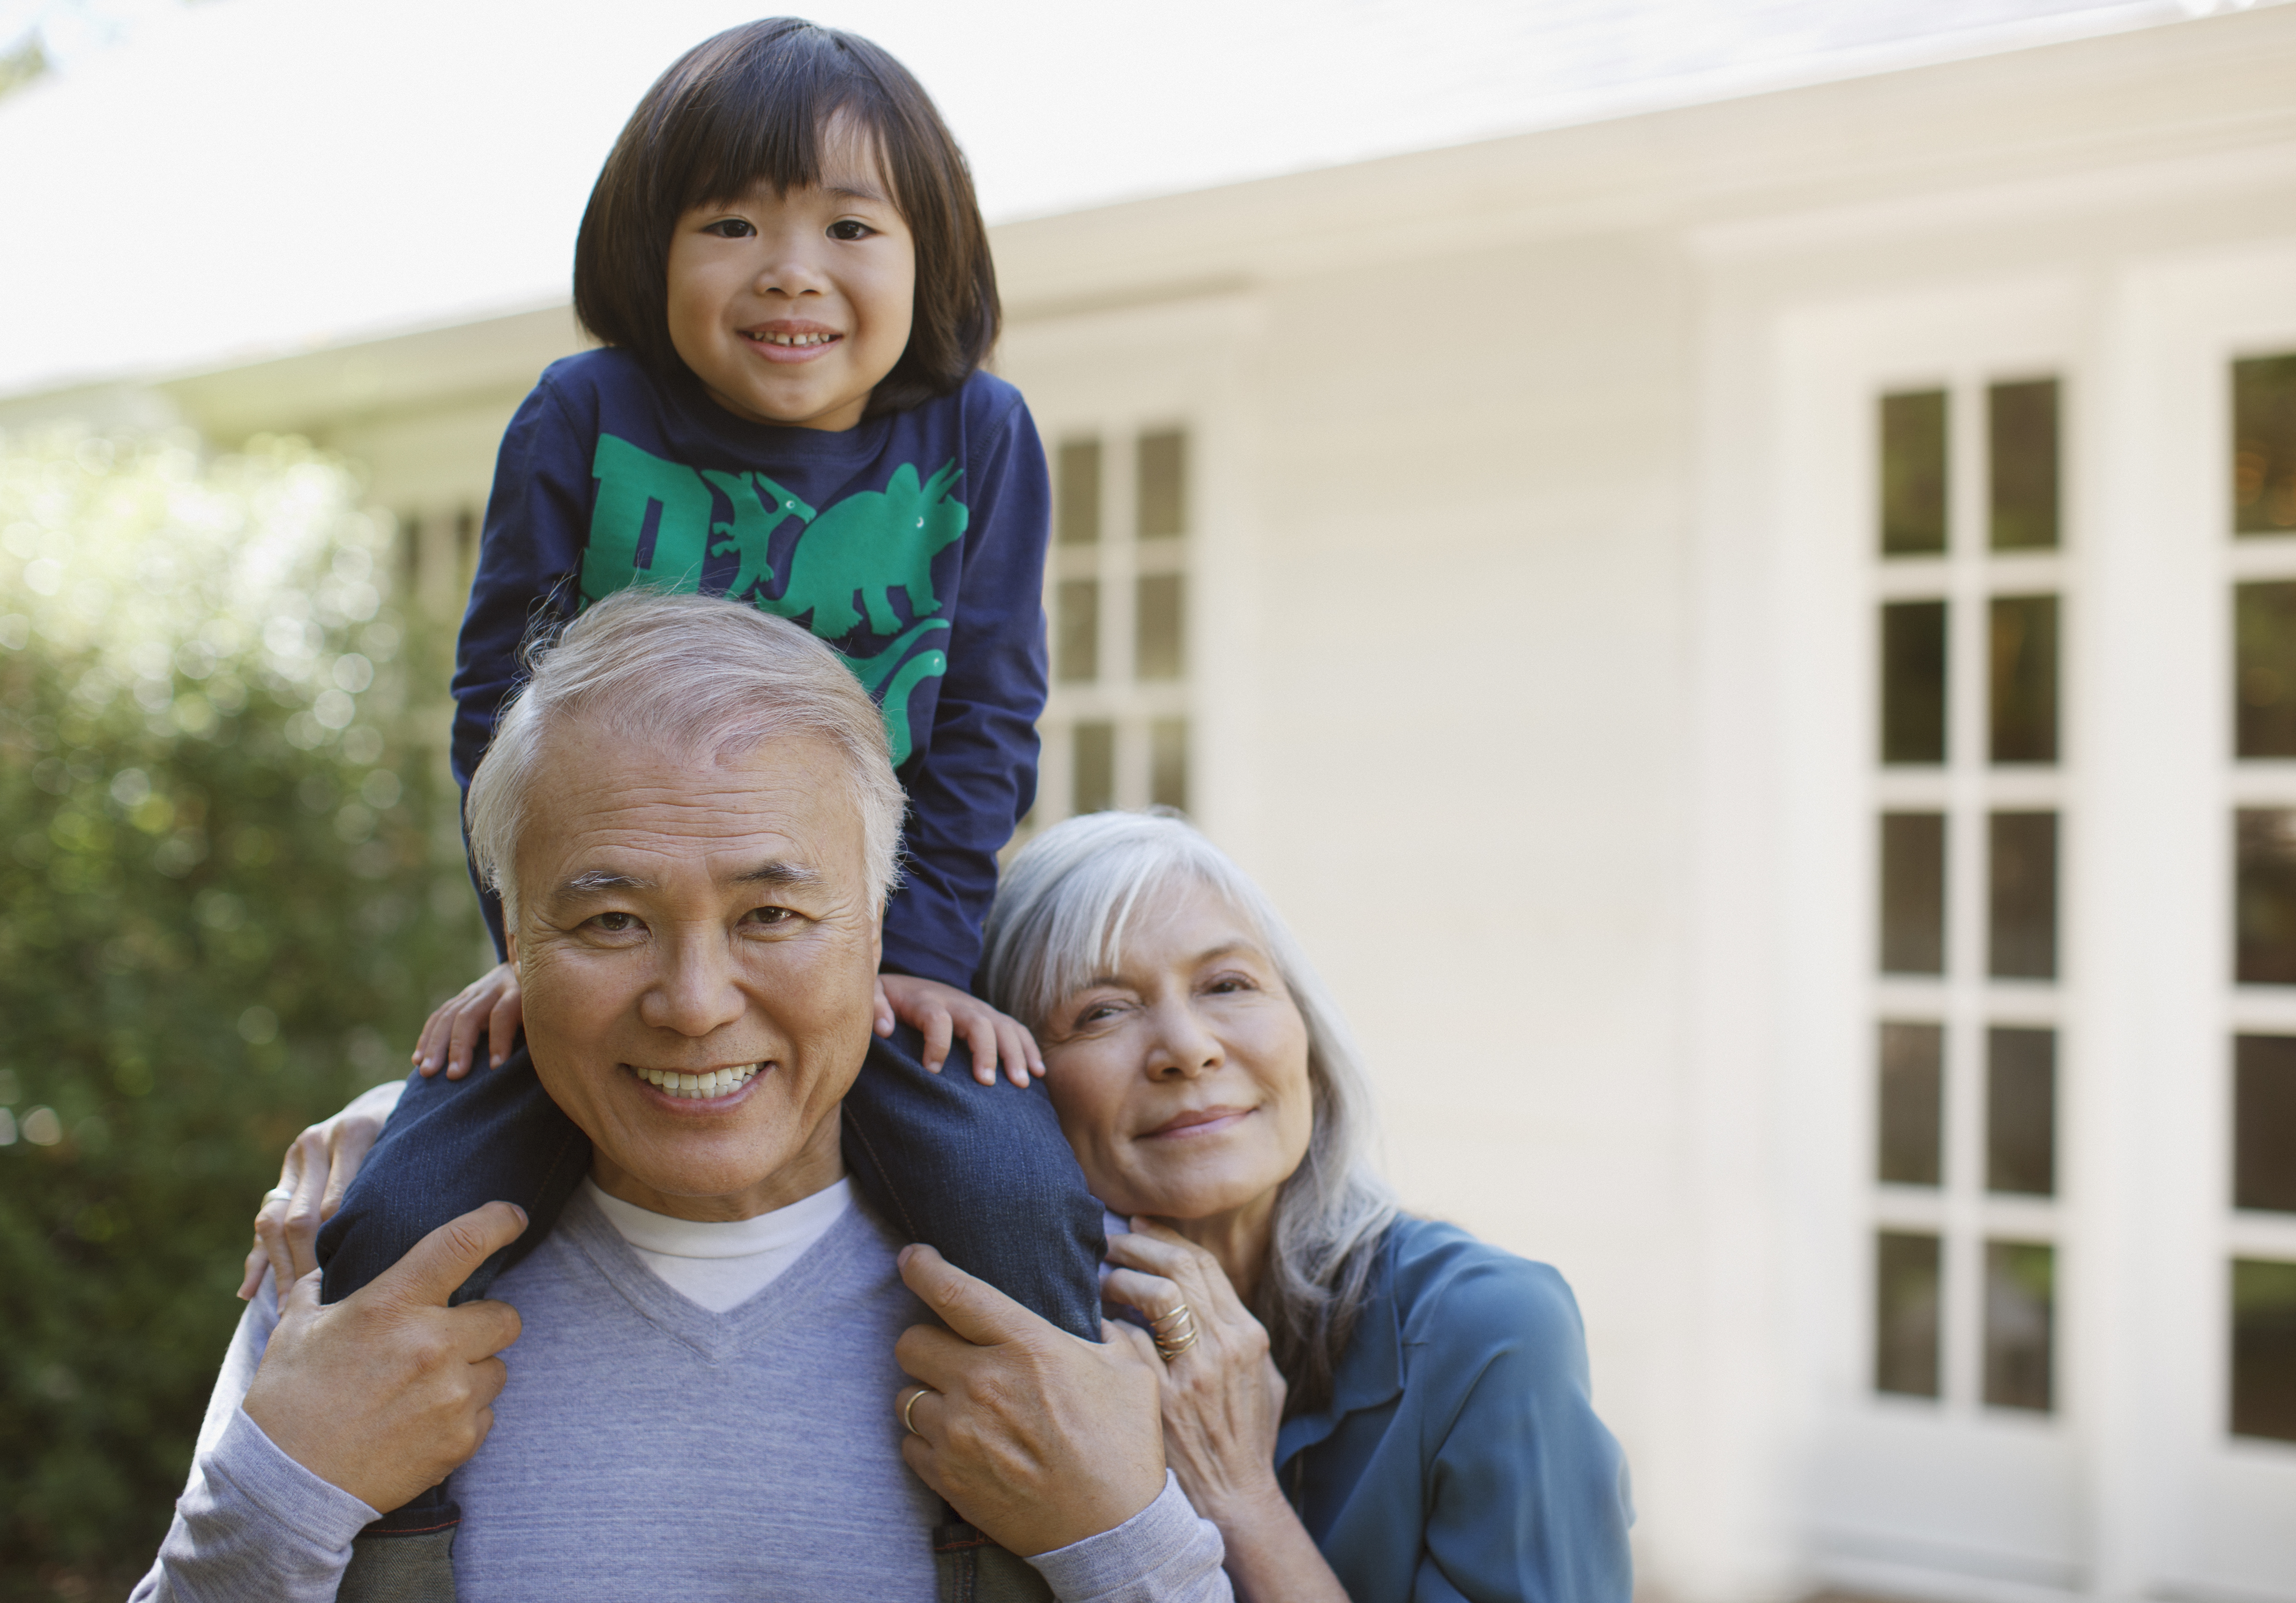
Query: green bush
x=231, y=886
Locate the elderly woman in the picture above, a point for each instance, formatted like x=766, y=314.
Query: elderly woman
x=1369, y=1406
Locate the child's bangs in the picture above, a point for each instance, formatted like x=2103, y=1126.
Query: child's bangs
x=767, y=124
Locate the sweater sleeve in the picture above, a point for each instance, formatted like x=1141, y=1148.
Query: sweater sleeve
x=976, y=778
x=1166, y=1553
x=252, y=1526
x=529, y=555
x=1527, y=1491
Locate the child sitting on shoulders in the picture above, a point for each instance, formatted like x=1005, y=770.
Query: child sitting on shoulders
x=791, y=279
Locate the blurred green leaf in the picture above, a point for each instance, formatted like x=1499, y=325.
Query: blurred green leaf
x=232, y=884
x=23, y=63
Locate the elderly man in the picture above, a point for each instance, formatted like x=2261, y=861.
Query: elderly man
x=692, y=816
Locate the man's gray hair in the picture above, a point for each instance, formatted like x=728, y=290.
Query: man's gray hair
x=693, y=673
x=1061, y=917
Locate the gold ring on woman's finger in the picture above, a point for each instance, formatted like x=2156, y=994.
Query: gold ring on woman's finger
x=1175, y=1314
x=910, y=1407
x=1175, y=1332
x=1174, y=1346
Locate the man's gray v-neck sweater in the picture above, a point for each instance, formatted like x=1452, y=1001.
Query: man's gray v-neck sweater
x=638, y=1422
x=646, y=1446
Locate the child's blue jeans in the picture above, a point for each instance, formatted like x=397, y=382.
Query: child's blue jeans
x=980, y=1171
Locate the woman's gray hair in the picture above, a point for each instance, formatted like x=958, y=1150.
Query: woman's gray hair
x=1061, y=918
x=693, y=673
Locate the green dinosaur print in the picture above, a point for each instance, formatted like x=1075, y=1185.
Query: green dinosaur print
x=869, y=545
x=872, y=672
x=759, y=507
x=924, y=666
x=637, y=490
x=865, y=547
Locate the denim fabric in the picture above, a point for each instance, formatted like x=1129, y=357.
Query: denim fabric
x=982, y=1173
x=452, y=1146
x=943, y=1159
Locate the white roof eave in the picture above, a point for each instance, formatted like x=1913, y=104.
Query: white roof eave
x=257, y=178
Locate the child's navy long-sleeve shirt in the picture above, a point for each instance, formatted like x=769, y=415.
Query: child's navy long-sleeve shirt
x=914, y=543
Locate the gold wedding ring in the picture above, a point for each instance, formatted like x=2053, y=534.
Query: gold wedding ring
x=1175, y=1331
x=910, y=1407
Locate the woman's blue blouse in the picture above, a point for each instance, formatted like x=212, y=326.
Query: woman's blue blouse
x=1460, y=1457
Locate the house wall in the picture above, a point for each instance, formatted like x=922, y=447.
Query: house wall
x=1478, y=582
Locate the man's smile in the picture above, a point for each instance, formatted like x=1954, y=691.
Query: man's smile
x=705, y=1086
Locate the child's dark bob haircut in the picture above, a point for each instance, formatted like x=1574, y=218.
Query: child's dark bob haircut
x=751, y=105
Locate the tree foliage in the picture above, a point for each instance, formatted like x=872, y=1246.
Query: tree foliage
x=231, y=887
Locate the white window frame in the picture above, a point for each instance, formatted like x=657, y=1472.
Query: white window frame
x=1968, y=789
x=1907, y=1485
x=1115, y=373
x=2133, y=1486
x=1118, y=561
x=2227, y=1530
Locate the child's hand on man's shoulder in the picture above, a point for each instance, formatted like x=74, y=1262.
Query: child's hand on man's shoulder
x=450, y=1036
x=941, y=1013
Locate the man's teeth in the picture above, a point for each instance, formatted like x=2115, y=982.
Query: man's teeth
x=717, y=1082
x=796, y=340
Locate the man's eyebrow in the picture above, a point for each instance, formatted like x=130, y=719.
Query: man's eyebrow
x=598, y=882
x=595, y=882
x=776, y=872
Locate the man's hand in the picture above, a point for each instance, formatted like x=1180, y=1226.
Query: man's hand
x=941, y=1013
x=390, y=1391
x=1039, y=1439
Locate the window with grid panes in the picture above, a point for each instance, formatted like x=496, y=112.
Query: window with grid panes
x=2260, y=1267
x=1115, y=728
x=1970, y=758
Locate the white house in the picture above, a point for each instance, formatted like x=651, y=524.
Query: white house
x=1756, y=641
